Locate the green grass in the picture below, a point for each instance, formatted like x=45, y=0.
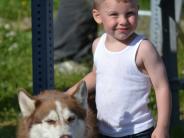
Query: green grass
x=14, y=9
x=16, y=63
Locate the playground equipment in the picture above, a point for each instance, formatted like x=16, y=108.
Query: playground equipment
x=164, y=16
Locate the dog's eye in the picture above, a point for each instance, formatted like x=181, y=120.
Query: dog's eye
x=70, y=119
x=51, y=122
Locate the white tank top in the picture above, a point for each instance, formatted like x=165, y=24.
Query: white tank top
x=121, y=91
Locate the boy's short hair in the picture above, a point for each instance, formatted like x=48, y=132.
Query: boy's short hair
x=96, y=3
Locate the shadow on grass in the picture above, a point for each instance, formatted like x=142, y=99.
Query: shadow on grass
x=9, y=100
x=8, y=132
x=9, y=108
x=177, y=131
x=8, y=115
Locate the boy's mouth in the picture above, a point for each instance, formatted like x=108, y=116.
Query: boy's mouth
x=122, y=30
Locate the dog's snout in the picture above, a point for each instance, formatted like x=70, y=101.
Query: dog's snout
x=66, y=136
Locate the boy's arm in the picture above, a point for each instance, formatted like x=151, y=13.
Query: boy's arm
x=90, y=78
x=156, y=70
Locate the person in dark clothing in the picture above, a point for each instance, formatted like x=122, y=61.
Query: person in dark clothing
x=74, y=30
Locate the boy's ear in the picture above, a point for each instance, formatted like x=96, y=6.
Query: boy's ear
x=96, y=16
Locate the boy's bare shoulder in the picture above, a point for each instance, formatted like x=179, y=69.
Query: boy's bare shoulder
x=95, y=43
x=146, y=43
x=146, y=47
x=147, y=51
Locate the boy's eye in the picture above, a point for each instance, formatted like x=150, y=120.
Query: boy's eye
x=130, y=13
x=113, y=14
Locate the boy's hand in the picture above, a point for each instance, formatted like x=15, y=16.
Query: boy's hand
x=160, y=133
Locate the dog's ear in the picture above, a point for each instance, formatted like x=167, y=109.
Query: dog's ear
x=26, y=103
x=81, y=94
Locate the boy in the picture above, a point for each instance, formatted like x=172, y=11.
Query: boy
x=125, y=66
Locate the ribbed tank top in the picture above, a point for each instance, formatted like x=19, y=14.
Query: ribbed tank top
x=121, y=91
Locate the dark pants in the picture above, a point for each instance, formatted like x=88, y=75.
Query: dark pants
x=144, y=134
x=74, y=30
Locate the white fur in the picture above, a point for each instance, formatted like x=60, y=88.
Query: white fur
x=59, y=122
x=27, y=105
x=75, y=129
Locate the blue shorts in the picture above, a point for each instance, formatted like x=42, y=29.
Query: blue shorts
x=145, y=134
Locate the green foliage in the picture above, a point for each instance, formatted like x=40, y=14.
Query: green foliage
x=65, y=80
x=144, y=4
x=180, y=58
x=15, y=60
x=14, y=9
x=152, y=103
x=15, y=66
x=180, y=53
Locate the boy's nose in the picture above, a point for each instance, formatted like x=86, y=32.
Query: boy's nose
x=122, y=20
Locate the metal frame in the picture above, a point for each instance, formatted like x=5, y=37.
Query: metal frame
x=163, y=35
x=42, y=45
x=169, y=50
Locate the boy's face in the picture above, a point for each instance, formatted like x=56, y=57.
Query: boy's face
x=118, y=17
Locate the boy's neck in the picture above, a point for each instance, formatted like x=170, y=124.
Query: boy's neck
x=115, y=45
x=110, y=39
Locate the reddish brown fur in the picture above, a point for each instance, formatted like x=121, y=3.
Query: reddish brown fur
x=92, y=129
x=44, y=103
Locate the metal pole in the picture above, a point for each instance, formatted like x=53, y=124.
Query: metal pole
x=169, y=51
x=156, y=25
x=42, y=45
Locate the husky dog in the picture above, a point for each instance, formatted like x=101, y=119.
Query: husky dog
x=54, y=114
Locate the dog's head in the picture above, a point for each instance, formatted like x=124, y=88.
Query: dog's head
x=54, y=114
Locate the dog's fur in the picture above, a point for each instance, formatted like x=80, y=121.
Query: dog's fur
x=54, y=114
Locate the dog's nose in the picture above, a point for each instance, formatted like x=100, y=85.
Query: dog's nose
x=66, y=136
